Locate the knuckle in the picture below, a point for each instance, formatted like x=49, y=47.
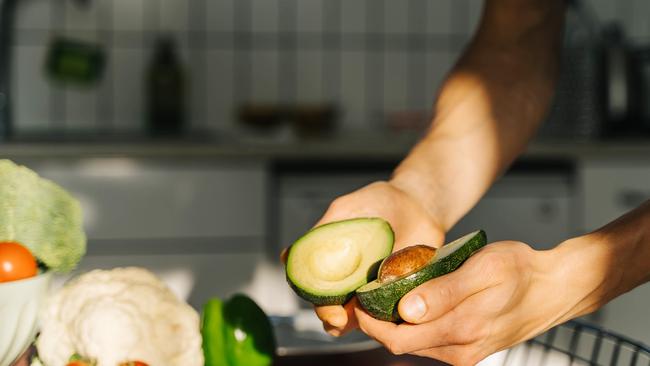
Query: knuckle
x=337, y=204
x=395, y=347
x=493, y=264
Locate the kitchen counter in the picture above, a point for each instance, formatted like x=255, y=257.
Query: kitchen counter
x=351, y=147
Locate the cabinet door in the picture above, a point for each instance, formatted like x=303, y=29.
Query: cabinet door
x=125, y=198
x=535, y=209
x=611, y=188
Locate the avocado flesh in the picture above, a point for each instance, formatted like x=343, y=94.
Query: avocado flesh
x=380, y=300
x=330, y=262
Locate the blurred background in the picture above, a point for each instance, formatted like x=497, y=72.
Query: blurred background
x=203, y=136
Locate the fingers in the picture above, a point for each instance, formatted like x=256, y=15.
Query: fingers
x=283, y=255
x=434, y=298
x=404, y=338
x=338, y=320
x=453, y=329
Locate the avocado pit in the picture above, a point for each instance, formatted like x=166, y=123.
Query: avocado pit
x=405, y=261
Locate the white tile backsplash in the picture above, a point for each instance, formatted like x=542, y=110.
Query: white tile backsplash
x=353, y=16
x=84, y=16
x=475, y=8
x=353, y=88
x=396, y=16
x=31, y=101
x=438, y=16
x=310, y=76
x=309, y=15
x=219, y=16
x=264, y=15
x=174, y=16
x=34, y=14
x=128, y=88
x=638, y=25
x=211, y=68
x=128, y=15
x=395, y=81
x=81, y=108
x=438, y=64
x=219, y=80
x=265, y=80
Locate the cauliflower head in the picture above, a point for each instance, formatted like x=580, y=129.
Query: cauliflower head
x=119, y=315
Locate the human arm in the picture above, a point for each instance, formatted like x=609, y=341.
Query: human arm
x=487, y=109
x=508, y=293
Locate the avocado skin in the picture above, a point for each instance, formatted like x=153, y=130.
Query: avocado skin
x=381, y=302
x=324, y=300
x=320, y=300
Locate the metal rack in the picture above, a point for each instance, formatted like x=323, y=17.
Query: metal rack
x=578, y=343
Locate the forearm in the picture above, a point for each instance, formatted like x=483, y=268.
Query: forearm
x=487, y=109
x=602, y=265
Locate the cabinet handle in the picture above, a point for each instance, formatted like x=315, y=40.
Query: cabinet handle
x=632, y=198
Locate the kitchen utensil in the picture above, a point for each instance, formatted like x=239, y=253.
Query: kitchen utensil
x=599, y=91
x=313, y=120
x=20, y=303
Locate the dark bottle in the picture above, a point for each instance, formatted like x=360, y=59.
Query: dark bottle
x=165, y=91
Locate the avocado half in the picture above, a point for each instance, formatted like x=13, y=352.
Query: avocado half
x=380, y=298
x=331, y=261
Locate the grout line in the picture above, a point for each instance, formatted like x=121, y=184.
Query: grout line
x=58, y=96
x=375, y=60
x=331, y=64
x=242, y=61
x=216, y=40
x=104, y=95
x=288, y=58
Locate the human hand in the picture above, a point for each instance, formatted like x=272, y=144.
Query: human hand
x=410, y=221
x=504, y=294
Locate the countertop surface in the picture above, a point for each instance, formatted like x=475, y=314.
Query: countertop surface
x=350, y=147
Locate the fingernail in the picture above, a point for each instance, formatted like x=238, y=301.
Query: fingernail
x=414, y=307
x=334, y=332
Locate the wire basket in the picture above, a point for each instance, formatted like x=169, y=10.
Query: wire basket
x=575, y=343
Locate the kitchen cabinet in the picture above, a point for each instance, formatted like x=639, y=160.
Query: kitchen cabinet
x=536, y=208
x=129, y=198
x=533, y=207
x=609, y=188
x=197, y=223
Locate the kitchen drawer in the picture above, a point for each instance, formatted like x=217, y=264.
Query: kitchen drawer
x=610, y=188
x=125, y=198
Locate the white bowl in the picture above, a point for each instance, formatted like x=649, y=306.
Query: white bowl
x=20, y=303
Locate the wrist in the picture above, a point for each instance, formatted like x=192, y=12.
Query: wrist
x=417, y=189
x=587, y=275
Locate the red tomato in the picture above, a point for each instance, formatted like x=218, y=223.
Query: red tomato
x=78, y=363
x=16, y=262
x=134, y=363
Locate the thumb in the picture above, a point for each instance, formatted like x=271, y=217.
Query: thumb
x=436, y=297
